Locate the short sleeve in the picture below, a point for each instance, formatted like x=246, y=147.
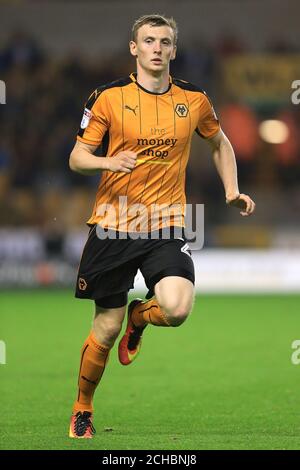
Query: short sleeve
x=208, y=124
x=95, y=120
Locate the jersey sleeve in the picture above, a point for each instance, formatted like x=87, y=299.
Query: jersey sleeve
x=95, y=120
x=208, y=124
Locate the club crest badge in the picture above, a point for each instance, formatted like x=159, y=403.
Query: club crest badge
x=181, y=110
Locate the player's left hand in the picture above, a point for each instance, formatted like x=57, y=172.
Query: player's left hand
x=244, y=203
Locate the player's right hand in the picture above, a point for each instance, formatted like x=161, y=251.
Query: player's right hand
x=122, y=162
x=243, y=202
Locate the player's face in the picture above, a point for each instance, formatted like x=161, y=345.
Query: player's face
x=154, y=47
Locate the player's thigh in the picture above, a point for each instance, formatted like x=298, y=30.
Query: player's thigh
x=107, y=268
x=174, y=292
x=169, y=272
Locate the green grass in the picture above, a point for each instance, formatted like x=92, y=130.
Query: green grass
x=223, y=380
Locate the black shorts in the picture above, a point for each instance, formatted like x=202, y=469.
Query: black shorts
x=108, y=267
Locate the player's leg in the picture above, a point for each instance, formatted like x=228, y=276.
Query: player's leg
x=175, y=297
x=106, y=273
x=107, y=323
x=169, y=273
x=95, y=351
x=171, y=305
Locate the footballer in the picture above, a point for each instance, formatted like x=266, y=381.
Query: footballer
x=144, y=124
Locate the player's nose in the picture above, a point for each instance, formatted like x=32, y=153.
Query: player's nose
x=157, y=47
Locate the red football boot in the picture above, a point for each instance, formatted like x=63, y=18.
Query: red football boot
x=130, y=344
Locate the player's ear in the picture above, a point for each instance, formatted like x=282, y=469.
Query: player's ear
x=173, y=55
x=132, y=47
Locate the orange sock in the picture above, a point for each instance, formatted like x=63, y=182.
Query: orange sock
x=93, y=361
x=149, y=312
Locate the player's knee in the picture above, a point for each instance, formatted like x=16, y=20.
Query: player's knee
x=112, y=332
x=107, y=331
x=177, y=314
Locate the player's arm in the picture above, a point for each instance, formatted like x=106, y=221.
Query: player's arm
x=225, y=163
x=82, y=160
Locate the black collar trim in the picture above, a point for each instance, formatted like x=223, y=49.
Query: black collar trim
x=133, y=78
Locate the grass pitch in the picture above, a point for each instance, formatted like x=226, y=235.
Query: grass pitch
x=223, y=380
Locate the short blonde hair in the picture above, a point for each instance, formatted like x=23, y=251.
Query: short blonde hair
x=154, y=20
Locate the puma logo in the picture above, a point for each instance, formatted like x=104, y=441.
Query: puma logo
x=131, y=109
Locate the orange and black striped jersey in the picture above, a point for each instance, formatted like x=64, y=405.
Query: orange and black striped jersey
x=158, y=127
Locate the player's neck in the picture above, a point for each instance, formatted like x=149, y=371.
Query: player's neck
x=154, y=83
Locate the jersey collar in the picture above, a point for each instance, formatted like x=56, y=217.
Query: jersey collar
x=133, y=78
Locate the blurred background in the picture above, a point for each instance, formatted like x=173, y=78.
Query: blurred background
x=244, y=54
